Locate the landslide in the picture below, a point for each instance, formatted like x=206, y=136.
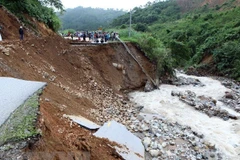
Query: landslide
x=79, y=79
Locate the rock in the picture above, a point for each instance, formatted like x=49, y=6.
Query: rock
x=199, y=156
x=175, y=93
x=158, y=134
x=32, y=45
x=237, y=109
x=232, y=116
x=140, y=118
x=6, y=52
x=229, y=95
x=187, y=81
x=132, y=126
x=160, y=147
x=144, y=127
x=47, y=100
x=227, y=83
x=164, y=144
x=225, y=118
x=172, y=143
x=148, y=87
x=118, y=66
x=210, y=145
x=154, y=145
x=139, y=108
x=52, y=69
x=212, y=155
x=154, y=153
x=146, y=142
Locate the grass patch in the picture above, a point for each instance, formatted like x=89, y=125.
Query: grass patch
x=21, y=123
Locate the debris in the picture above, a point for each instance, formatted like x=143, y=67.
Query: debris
x=84, y=122
x=131, y=146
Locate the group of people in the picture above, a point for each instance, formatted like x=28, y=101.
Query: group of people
x=105, y=36
x=21, y=32
x=97, y=37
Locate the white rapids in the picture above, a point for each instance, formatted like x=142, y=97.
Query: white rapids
x=224, y=134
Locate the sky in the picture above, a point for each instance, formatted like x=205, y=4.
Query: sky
x=116, y=4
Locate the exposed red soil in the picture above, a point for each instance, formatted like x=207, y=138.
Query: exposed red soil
x=78, y=78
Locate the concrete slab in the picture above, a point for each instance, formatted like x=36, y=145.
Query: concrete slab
x=131, y=146
x=84, y=122
x=13, y=93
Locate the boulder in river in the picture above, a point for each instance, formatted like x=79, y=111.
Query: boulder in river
x=149, y=86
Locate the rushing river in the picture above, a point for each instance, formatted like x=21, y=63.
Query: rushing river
x=224, y=134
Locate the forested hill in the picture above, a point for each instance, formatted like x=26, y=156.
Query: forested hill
x=170, y=10
x=203, y=34
x=88, y=18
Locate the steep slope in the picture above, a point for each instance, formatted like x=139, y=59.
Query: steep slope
x=10, y=25
x=79, y=80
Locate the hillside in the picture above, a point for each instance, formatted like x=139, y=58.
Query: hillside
x=187, y=5
x=171, y=10
x=89, y=18
x=200, y=34
x=80, y=81
x=93, y=81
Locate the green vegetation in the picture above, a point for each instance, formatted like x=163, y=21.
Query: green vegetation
x=66, y=31
x=153, y=48
x=21, y=123
x=183, y=36
x=88, y=18
x=38, y=9
x=159, y=12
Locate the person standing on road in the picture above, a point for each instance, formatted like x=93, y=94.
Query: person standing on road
x=113, y=36
x=21, y=32
x=84, y=36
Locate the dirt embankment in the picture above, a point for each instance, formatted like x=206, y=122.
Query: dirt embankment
x=80, y=78
x=10, y=25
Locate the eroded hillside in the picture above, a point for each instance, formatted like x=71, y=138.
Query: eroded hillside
x=81, y=80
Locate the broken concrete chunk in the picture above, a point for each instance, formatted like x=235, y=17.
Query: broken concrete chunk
x=131, y=146
x=84, y=122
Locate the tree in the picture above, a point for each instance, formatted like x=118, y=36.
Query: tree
x=21, y=3
x=55, y=3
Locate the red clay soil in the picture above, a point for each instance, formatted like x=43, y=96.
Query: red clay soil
x=79, y=78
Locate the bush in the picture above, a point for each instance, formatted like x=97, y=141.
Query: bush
x=164, y=61
x=141, y=27
x=178, y=35
x=208, y=17
x=180, y=52
x=227, y=59
x=123, y=26
x=158, y=54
